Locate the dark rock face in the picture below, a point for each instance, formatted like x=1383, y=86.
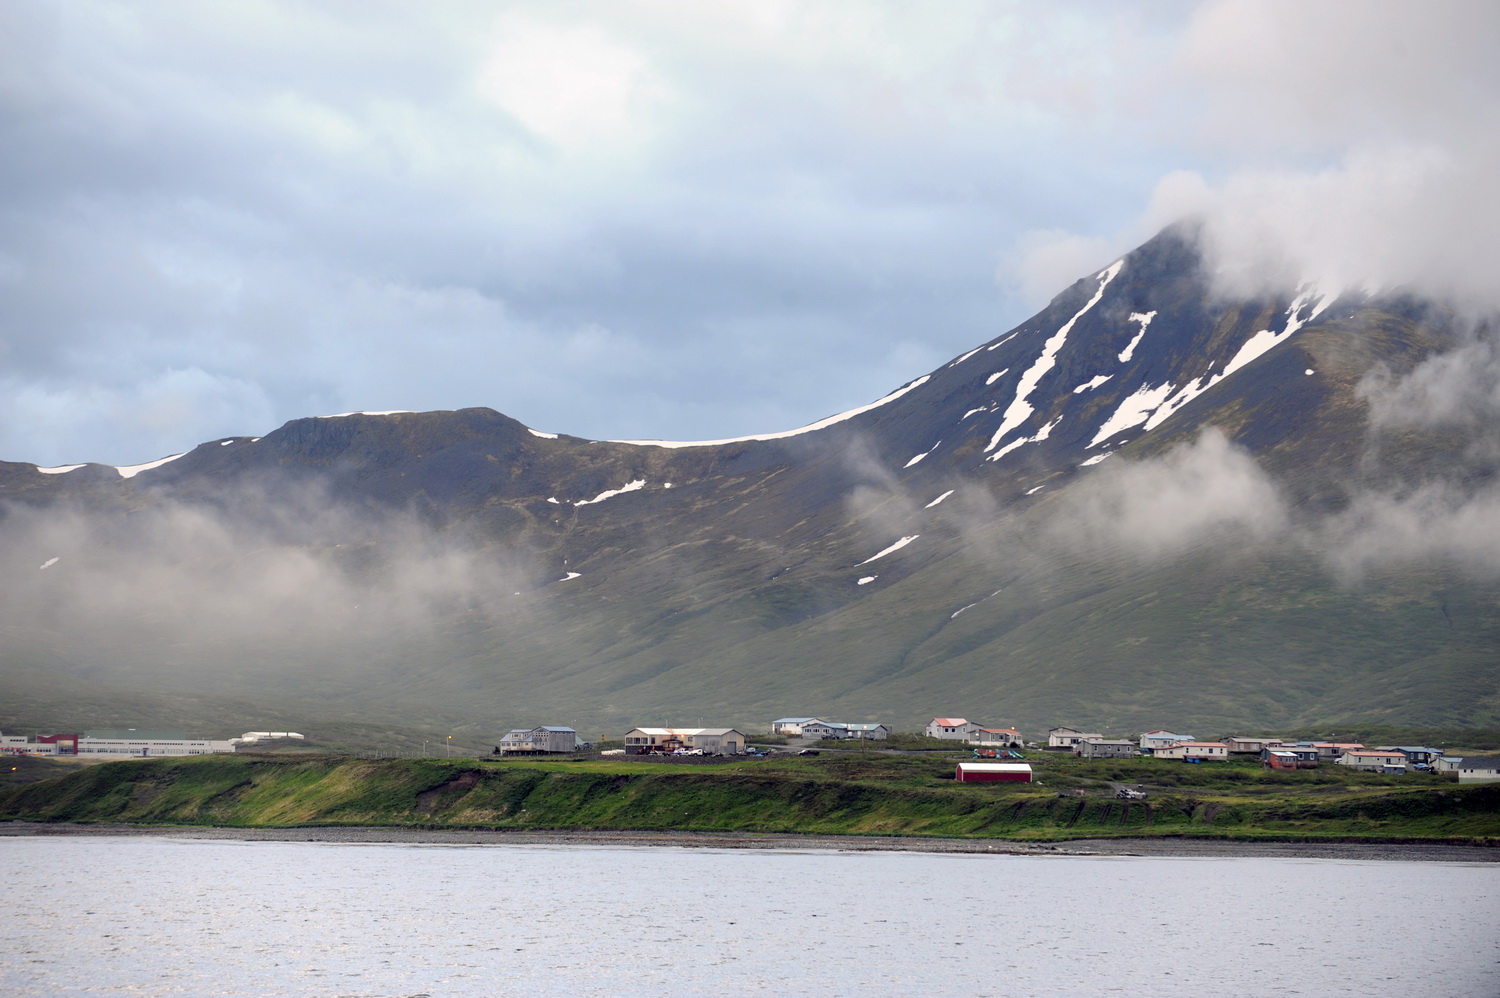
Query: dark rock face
x=978, y=542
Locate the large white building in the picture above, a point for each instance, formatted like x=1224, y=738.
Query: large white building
x=148, y=744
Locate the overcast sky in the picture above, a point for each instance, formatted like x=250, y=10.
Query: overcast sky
x=686, y=220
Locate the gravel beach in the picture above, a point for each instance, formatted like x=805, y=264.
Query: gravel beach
x=1174, y=847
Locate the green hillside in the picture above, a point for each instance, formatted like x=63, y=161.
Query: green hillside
x=849, y=795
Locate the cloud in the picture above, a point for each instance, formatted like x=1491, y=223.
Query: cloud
x=1350, y=144
x=1198, y=494
x=249, y=586
x=1435, y=523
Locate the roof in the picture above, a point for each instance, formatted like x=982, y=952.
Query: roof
x=556, y=727
x=1110, y=741
x=949, y=722
x=996, y=767
x=1166, y=734
x=1383, y=755
x=793, y=720
x=1277, y=751
x=1197, y=745
x=1001, y=731
x=161, y=736
x=864, y=726
x=1481, y=762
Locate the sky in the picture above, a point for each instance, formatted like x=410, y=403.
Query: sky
x=647, y=219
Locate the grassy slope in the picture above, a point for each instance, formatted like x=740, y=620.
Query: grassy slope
x=849, y=794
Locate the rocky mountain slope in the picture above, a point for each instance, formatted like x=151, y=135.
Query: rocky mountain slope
x=1147, y=505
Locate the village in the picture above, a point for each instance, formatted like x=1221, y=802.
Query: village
x=998, y=752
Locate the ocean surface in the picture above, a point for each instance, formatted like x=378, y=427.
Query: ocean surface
x=151, y=916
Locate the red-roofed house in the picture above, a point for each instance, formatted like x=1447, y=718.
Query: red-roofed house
x=954, y=728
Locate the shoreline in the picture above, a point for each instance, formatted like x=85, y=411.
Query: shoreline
x=1162, y=847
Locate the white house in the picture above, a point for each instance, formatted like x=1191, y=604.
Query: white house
x=1479, y=769
x=544, y=738
x=1006, y=737
x=1448, y=764
x=790, y=726
x=1153, y=740
x=1065, y=737
x=1375, y=761
x=1194, y=751
x=952, y=728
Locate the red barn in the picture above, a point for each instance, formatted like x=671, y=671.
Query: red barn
x=993, y=772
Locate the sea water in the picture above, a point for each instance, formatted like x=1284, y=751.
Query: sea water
x=152, y=916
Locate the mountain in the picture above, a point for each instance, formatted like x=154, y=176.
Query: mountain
x=1149, y=505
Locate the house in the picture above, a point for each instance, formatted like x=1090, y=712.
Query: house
x=814, y=728
x=1006, y=737
x=790, y=726
x=1330, y=751
x=704, y=741
x=1064, y=737
x=1448, y=764
x=1279, y=759
x=1374, y=761
x=1479, y=769
x=1194, y=752
x=1104, y=748
x=1302, y=756
x=993, y=772
x=1417, y=753
x=952, y=728
x=1251, y=745
x=1153, y=740
x=867, y=730
x=536, y=741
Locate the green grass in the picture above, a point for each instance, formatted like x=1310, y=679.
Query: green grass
x=848, y=794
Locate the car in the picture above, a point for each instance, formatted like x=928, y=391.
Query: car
x=1125, y=793
x=808, y=751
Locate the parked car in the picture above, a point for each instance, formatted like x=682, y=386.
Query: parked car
x=1125, y=793
x=808, y=751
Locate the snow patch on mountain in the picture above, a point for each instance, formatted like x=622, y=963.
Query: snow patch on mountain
x=50, y=562
x=894, y=547
x=1144, y=318
x=919, y=457
x=1152, y=405
x=1020, y=410
x=939, y=499
x=635, y=486
x=809, y=428
x=61, y=469
x=387, y=412
x=539, y=433
x=131, y=470
x=570, y=575
x=868, y=579
x=1092, y=383
x=1041, y=435
x=965, y=357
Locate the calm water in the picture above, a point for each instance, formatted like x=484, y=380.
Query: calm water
x=143, y=916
